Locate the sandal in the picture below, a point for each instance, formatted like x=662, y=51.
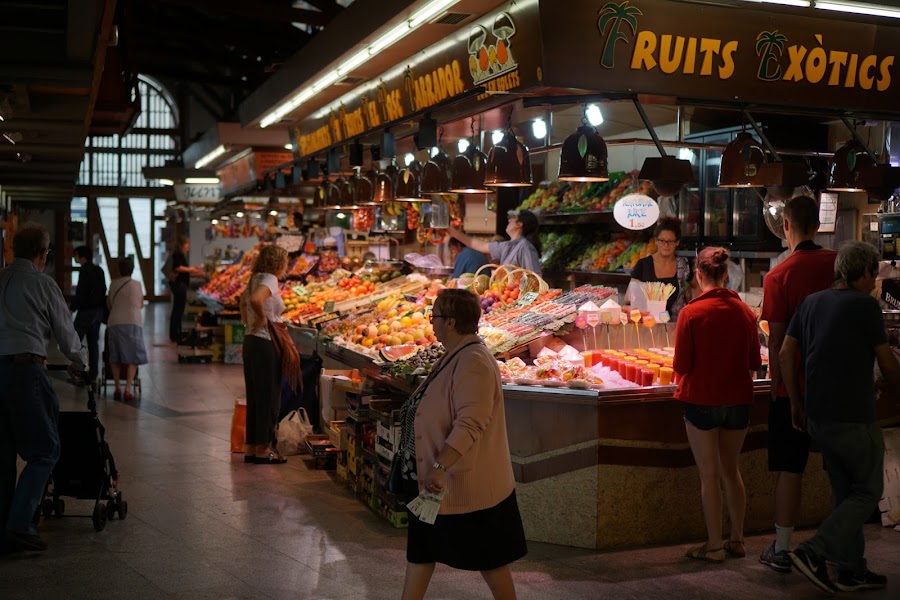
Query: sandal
x=703, y=553
x=249, y=458
x=735, y=548
x=272, y=458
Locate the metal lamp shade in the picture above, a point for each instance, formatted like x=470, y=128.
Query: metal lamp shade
x=467, y=176
x=668, y=174
x=845, y=169
x=741, y=161
x=584, y=157
x=508, y=164
x=436, y=174
x=408, y=186
x=363, y=191
x=384, y=189
x=879, y=181
x=781, y=178
x=348, y=195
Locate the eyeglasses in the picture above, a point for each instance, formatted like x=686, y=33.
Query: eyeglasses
x=432, y=316
x=666, y=242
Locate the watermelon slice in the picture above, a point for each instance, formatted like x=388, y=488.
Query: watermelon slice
x=401, y=352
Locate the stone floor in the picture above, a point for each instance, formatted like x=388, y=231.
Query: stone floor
x=202, y=524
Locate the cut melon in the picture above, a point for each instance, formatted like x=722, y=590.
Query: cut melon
x=400, y=352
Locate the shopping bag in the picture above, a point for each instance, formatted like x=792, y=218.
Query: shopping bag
x=239, y=425
x=292, y=432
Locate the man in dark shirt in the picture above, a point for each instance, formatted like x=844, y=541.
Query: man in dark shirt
x=89, y=302
x=467, y=260
x=839, y=333
x=178, y=284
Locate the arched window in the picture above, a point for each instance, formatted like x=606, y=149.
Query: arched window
x=117, y=161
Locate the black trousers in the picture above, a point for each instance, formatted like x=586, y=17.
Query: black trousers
x=179, y=301
x=87, y=323
x=262, y=376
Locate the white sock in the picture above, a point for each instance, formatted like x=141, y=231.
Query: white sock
x=783, y=538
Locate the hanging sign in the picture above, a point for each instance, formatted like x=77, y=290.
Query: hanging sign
x=198, y=192
x=636, y=211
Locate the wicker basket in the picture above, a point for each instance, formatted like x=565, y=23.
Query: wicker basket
x=481, y=282
x=526, y=281
x=500, y=274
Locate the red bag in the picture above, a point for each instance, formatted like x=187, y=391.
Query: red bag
x=239, y=425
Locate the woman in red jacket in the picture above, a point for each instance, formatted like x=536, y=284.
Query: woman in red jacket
x=716, y=356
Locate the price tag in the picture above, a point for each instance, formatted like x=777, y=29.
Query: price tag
x=636, y=211
x=528, y=298
x=329, y=306
x=299, y=290
x=410, y=298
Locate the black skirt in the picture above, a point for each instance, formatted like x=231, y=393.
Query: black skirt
x=478, y=541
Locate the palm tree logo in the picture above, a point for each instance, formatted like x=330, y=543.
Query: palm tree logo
x=612, y=16
x=770, y=47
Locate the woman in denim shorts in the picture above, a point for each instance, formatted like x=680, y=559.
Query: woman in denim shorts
x=716, y=355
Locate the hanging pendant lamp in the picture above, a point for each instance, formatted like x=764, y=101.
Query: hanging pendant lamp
x=436, y=174
x=468, y=170
x=845, y=168
x=583, y=156
x=408, y=185
x=363, y=190
x=384, y=188
x=668, y=174
x=508, y=164
x=879, y=181
x=348, y=193
x=741, y=161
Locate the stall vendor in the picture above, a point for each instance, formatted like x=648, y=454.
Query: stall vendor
x=664, y=266
x=522, y=249
x=466, y=260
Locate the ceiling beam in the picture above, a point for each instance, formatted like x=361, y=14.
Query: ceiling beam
x=35, y=166
x=73, y=149
x=36, y=180
x=70, y=75
x=59, y=127
x=217, y=34
x=257, y=11
x=186, y=74
x=329, y=7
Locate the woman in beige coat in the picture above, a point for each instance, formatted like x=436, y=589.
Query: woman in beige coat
x=454, y=439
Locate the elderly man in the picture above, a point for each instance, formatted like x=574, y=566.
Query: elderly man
x=32, y=309
x=841, y=331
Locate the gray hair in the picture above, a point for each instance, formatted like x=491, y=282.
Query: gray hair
x=853, y=259
x=30, y=240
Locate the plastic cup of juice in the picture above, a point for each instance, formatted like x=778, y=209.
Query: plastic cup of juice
x=613, y=363
x=642, y=363
x=622, y=363
x=631, y=372
x=655, y=369
x=588, y=357
x=665, y=375
x=598, y=356
x=647, y=376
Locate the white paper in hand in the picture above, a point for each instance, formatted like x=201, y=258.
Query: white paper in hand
x=426, y=506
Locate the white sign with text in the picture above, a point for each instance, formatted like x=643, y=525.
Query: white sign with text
x=198, y=192
x=636, y=211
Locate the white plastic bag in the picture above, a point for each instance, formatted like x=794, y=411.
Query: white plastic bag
x=292, y=432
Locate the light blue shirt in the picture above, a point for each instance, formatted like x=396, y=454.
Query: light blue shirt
x=32, y=309
x=520, y=253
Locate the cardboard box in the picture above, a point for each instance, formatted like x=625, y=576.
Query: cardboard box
x=234, y=333
x=234, y=354
x=332, y=399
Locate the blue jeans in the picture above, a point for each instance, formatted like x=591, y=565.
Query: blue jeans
x=854, y=454
x=29, y=410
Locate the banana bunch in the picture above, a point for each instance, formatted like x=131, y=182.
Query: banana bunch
x=393, y=209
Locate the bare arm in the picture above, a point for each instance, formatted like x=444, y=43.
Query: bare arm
x=257, y=300
x=887, y=362
x=776, y=339
x=790, y=350
x=469, y=241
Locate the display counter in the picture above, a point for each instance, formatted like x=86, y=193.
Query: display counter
x=610, y=469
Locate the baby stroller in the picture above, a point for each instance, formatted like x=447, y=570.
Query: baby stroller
x=105, y=379
x=86, y=469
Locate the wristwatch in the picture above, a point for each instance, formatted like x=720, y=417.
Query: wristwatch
x=438, y=466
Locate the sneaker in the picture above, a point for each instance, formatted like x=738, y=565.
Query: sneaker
x=848, y=582
x=814, y=568
x=777, y=561
x=16, y=541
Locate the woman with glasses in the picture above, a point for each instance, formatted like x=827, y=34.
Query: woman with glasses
x=454, y=441
x=664, y=266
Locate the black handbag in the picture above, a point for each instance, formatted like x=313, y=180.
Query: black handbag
x=394, y=483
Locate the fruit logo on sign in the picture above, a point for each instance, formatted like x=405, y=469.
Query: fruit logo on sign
x=612, y=17
x=488, y=62
x=770, y=47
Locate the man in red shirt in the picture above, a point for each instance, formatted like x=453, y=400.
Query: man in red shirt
x=809, y=269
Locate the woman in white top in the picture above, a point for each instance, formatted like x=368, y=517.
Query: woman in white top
x=124, y=328
x=261, y=303
x=523, y=247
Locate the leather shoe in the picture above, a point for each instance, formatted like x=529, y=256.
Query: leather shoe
x=16, y=541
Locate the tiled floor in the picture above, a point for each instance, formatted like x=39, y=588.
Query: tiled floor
x=202, y=524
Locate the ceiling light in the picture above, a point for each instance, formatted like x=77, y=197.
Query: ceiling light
x=594, y=116
x=166, y=182
x=800, y=3
x=686, y=154
x=462, y=145
x=219, y=151
x=434, y=151
x=200, y=180
x=436, y=174
x=273, y=213
x=1, y=118
x=539, y=128
x=341, y=215
x=239, y=214
x=860, y=9
x=226, y=218
x=288, y=146
x=584, y=156
x=409, y=158
x=846, y=165
x=215, y=221
x=508, y=164
x=382, y=42
x=497, y=136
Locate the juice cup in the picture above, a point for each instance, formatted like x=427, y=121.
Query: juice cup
x=630, y=372
x=647, y=377
x=622, y=363
x=588, y=357
x=613, y=363
x=642, y=363
x=598, y=356
x=654, y=368
x=665, y=375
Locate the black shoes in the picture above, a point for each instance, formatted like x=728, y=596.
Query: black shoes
x=848, y=582
x=814, y=568
x=23, y=542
